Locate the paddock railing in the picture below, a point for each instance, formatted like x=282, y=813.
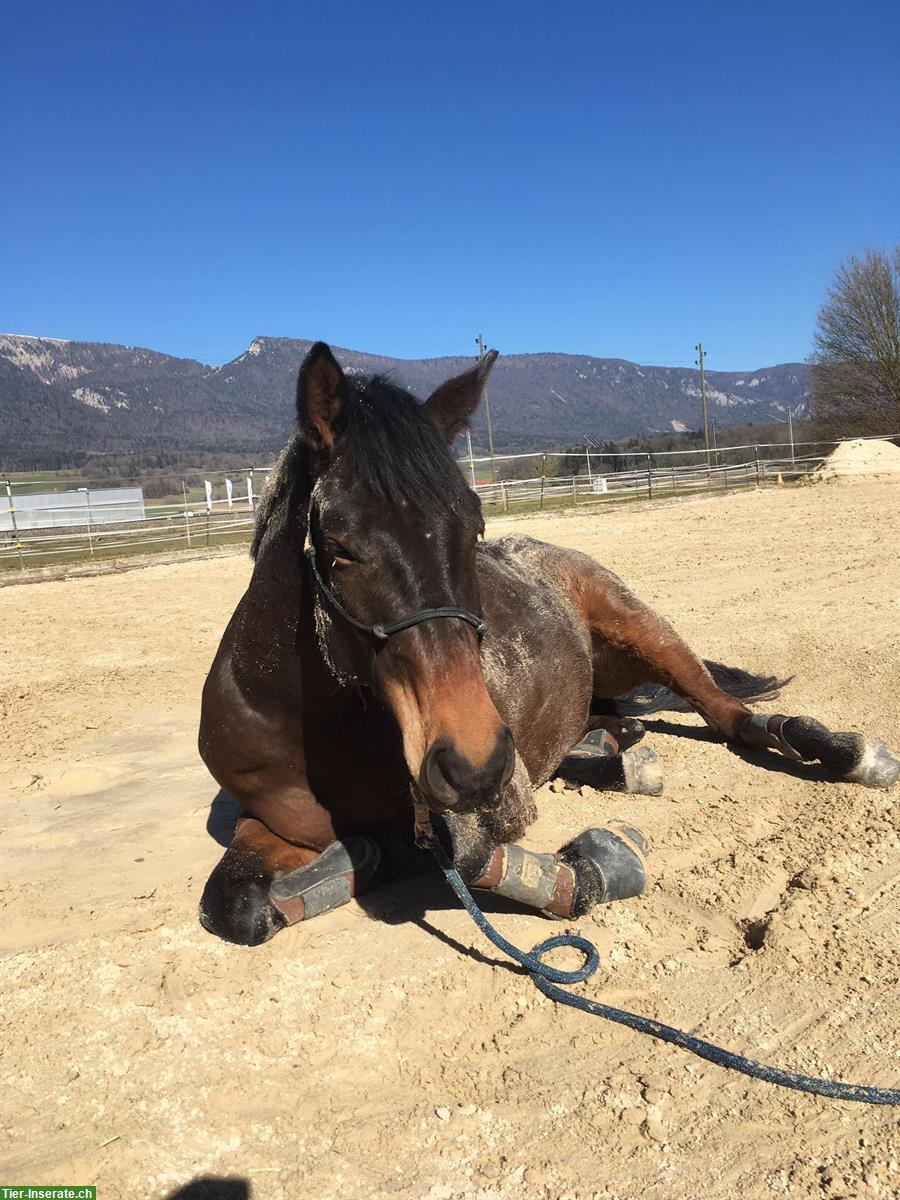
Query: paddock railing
x=216, y=508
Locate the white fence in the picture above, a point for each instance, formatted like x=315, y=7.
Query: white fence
x=596, y=482
x=54, y=527
x=86, y=506
x=214, y=510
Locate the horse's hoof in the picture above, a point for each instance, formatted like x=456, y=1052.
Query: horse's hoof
x=642, y=772
x=629, y=733
x=244, y=914
x=878, y=767
x=608, y=865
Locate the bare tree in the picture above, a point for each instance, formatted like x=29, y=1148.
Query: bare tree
x=855, y=364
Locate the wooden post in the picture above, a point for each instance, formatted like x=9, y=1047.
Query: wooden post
x=757, y=466
x=574, y=489
x=505, y=491
x=649, y=478
x=87, y=496
x=187, y=523
x=12, y=513
x=543, y=465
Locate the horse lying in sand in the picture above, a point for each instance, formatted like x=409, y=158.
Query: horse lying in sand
x=383, y=651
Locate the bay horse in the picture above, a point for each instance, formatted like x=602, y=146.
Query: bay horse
x=383, y=651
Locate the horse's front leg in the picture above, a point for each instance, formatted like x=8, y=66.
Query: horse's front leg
x=594, y=868
x=264, y=883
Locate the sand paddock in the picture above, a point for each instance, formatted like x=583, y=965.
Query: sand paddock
x=363, y=1055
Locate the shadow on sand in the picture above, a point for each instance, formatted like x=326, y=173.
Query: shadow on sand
x=210, y=1187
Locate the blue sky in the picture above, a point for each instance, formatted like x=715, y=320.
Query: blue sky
x=614, y=179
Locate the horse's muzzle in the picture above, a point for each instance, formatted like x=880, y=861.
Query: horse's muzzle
x=451, y=783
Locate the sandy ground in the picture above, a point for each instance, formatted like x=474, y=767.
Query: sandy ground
x=385, y=1051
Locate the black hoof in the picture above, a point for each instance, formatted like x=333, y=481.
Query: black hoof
x=608, y=865
x=238, y=909
x=629, y=733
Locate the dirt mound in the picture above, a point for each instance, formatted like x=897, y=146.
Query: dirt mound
x=860, y=457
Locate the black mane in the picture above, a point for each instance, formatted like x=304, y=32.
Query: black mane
x=393, y=446
x=388, y=442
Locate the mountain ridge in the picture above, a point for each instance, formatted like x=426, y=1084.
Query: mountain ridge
x=109, y=398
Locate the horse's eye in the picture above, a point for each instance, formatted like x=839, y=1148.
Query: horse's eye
x=339, y=553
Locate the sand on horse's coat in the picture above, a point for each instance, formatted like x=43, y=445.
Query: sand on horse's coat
x=363, y=1055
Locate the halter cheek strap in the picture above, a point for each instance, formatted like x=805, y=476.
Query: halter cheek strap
x=379, y=630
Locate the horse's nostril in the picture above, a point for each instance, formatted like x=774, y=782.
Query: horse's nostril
x=450, y=778
x=434, y=775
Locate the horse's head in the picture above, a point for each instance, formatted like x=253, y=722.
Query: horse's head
x=393, y=529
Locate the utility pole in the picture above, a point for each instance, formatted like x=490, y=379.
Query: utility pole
x=479, y=342
x=702, y=354
x=790, y=424
x=471, y=459
x=791, y=435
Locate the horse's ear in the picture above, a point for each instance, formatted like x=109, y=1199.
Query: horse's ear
x=452, y=405
x=322, y=393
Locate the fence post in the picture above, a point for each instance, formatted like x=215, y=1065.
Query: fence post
x=505, y=492
x=87, y=496
x=12, y=513
x=649, y=478
x=187, y=523
x=543, y=465
x=574, y=489
x=756, y=448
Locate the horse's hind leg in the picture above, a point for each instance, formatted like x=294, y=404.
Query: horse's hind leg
x=632, y=646
x=264, y=883
x=636, y=771
x=850, y=756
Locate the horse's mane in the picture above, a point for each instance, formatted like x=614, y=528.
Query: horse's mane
x=277, y=503
x=386, y=441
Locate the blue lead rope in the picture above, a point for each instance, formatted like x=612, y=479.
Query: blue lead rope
x=547, y=979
